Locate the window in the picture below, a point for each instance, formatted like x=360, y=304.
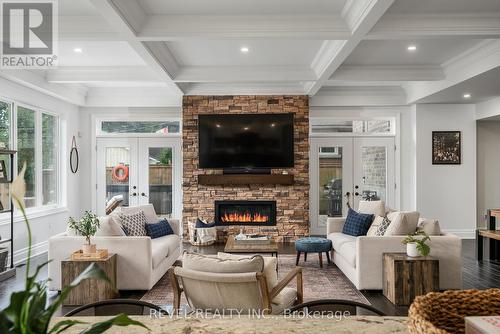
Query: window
x=34, y=134
x=159, y=127
x=26, y=151
x=49, y=159
x=371, y=126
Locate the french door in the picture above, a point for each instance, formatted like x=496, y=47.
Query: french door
x=140, y=171
x=346, y=169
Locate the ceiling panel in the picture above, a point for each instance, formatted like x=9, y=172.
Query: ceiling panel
x=394, y=52
x=261, y=52
x=243, y=7
x=95, y=53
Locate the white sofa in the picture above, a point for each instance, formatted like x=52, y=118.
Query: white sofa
x=141, y=261
x=360, y=258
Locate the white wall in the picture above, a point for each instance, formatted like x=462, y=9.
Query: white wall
x=447, y=193
x=488, y=167
x=44, y=225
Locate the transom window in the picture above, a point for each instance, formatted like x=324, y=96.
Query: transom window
x=35, y=135
x=341, y=126
x=159, y=127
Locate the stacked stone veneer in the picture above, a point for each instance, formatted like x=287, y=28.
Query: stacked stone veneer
x=292, y=202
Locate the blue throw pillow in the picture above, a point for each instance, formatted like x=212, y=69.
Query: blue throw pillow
x=201, y=224
x=160, y=229
x=356, y=223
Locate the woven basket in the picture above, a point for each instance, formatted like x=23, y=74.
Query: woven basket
x=444, y=312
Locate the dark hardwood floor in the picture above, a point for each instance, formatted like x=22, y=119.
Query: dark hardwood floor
x=476, y=275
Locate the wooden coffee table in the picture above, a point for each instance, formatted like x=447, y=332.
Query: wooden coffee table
x=233, y=247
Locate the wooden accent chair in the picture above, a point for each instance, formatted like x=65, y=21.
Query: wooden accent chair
x=224, y=285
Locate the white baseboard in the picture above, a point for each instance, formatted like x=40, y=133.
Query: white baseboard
x=21, y=255
x=463, y=234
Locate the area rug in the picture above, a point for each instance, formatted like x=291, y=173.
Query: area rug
x=326, y=283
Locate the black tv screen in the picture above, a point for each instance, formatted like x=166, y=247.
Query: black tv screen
x=245, y=141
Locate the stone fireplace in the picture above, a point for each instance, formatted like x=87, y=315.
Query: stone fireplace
x=292, y=200
x=245, y=213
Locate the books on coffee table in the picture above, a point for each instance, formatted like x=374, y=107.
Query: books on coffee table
x=252, y=239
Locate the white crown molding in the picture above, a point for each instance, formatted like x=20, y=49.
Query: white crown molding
x=74, y=94
x=479, y=59
x=358, y=96
x=472, y=25
x=244, y=89
x=388, y=73
x=244, y=74
x=305, y=26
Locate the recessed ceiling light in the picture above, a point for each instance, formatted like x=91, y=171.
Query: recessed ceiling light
x=246, y=128
x=78, y=50
x=244, y=49
x=467, y=95
x=273, y=125
x=412, y=48
x=217, y=125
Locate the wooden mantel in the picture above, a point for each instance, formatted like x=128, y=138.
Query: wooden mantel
x=244, y=179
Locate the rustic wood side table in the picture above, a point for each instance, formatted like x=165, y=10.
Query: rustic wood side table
x=89, y=290
x=406, y=277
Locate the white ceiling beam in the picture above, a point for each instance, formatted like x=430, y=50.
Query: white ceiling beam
x=127, y=17
x=86, y=28
x=483, y=57
x=361, y=16
x=349, y=73
x=358, y=96
x=74, y=94
x=421, y=26
x=89, y=74
x=175, y=27
x=244, y=74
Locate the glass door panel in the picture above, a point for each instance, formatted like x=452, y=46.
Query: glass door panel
x=160, y=179
x=116, y=172
x=373, y=168
x=160, y=183
x=331, y=179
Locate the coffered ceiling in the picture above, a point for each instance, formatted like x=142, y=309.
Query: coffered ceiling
x=340, y=52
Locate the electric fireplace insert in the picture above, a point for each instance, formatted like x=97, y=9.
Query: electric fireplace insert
x=250, y=213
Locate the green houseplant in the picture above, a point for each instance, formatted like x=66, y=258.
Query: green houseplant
x=416, y=244
x=28, y=311
x=87, y=226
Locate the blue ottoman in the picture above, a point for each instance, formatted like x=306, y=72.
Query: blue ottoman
x=313, y=245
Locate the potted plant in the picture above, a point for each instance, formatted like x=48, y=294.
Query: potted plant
x=416, y=244
x=28, y=311
x=87, y=227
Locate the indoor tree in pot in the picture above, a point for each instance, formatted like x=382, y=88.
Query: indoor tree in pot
x=87, y=227
x=416, y=244
x=28, y=311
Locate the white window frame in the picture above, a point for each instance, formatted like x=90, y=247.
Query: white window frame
x=97, y=122
x=13, y=144
x=391, y=133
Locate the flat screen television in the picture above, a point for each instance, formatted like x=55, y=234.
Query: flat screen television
x=245, y=141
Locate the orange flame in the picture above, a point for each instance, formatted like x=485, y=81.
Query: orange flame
x=244, y=218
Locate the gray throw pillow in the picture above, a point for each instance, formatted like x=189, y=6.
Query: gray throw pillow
x=134, y=224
